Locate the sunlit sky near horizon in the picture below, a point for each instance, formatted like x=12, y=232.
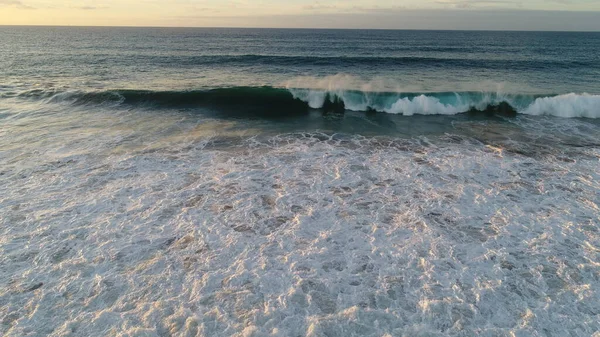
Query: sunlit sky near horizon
x=398, y=14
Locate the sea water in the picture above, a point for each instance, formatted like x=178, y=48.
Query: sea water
x=247, y=182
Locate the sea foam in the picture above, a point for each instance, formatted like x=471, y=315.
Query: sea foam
x=569, y=105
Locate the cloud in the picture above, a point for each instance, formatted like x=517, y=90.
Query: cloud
x=345, y=9
x=91, y=8
x=479, y=3
x=15, y=3
x=318, y=7
x=385, y=8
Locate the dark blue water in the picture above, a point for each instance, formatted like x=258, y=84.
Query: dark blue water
x=166, y=59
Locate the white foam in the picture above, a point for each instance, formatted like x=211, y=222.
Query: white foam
x=569, y=105
x=424, y=105
x=140, y=224
x=419, y=105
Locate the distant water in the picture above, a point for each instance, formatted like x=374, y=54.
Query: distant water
x=254, y=182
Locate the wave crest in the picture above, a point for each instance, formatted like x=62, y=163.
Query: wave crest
x=569, y=105
x=280, y=101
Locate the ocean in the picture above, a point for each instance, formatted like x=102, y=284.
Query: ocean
x=280, y=182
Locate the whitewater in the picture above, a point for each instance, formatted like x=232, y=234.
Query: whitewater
x=113, y=224
x=567, y=105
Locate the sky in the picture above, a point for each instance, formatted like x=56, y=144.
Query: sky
x=582, y=15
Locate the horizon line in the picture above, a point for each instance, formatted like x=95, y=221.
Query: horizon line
x=309, y=28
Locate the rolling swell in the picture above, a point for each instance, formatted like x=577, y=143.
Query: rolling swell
x=284, y=102
x=246, y=60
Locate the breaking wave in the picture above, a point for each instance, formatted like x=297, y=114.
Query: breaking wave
x=285, y=101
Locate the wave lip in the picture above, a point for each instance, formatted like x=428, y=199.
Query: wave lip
x=281, y=101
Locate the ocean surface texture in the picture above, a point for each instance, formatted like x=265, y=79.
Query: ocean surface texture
x=322, y=183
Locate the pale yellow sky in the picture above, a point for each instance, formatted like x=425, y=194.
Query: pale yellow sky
x=444, y=14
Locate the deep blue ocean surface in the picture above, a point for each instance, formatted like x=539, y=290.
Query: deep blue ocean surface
x=271, y=182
